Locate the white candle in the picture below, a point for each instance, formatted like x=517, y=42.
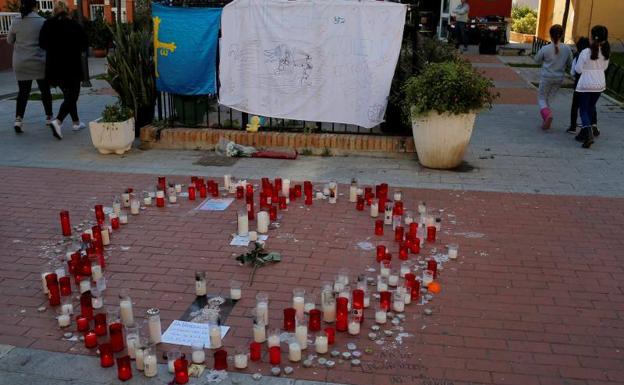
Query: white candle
x=44, y=284
x=198, y=357
x=67, y=308
x=240, y=361
x=353, y=193
x=226, y=181
x=131, y=342
x=64, y=320
x=243, y=223
x=253, y=236
x=170, y=366
x=354, y=328
x=338, y=286
x=125, y=311
x=294, y=352
x=321, y=345
x=259, y=333
x=139, y=355
x=262, y=311
x=274, y=340
x=116, y=208
x=388, y=215
x=427, y=278
x=125, y=199
x=380, y=316
x=408, y=219
x=200, y=287
x=299, y=305
x=123, y=219
x=301, y=334
x=397, y=196
x=150, y=366
x=85, y=285
x=407, y=298
x=422, y=208
x=215, y=337
x=172, y=198
x=96, y=271
x=178, y=188
x=236, y=293
x=105, y=236
x=97, y=302
x=374, y=210
x=393, y=279
x=155, y=329
x=285, y=187
x=452, y=251
x=405, y=268
x=329, y=312
x=263, y=222
x=147, y=200
x=366, y=300
x=382, y=286
x=333, y=192
x=398, y=305
x=135, y=206
x=384, y=271
x=309, y=306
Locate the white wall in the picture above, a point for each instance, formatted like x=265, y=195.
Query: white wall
x=529, y=3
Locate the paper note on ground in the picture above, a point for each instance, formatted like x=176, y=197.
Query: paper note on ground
x=190, y=333
x=216, y=204
x=243, y=240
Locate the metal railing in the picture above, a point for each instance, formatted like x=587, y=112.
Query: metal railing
x=46, y=5
x=538, y=43
x=615, y=80
x=6, y=18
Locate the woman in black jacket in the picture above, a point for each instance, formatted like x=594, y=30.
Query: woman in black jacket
x=64, y=41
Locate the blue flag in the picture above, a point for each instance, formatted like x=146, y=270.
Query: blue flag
x=185, y=49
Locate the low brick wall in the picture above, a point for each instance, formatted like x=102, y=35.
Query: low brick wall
x=318, y=144
x=520, y=37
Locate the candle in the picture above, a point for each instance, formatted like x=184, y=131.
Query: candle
x=405, y=268
x=132, y=340
x=240, y=361
x=65, y=223
x=64, y=320
x=274, y=339
x=333, y=192
x=320, y=343
x=215, y=336
x=116, y=206
x=155, y=329
x=398, y=305
x=329, y=312
x=255, y=351
x=384, y=268
x=135, y=206
x=44, y=284
x=301, y=334
x=115, y=331
x=259, y=332
x=181, y=371
x=393, y=278
x=253, y=236
x=289, y=319
x=96, y=271
x=147, y=199
x=382, y=283
x=263, y=222
x=125, y=309
x=235, y=290
x=139, y=355
x=388, y=215
x=452, y=251
x=172, y=356
x=309, y=306
x=105, y=236
x=294, y=352
x=85, y=285
x=422, y=208
x=150, y=365
x=299, y=301
x=380, y=316
x=379, y=227
x=374, y=209
x=200, y=283
x=353, y=191
x=262, y=307
x=285, y=187
x=314, y=321
x=67, y=308
x=123, y=218
x=275, y=355
x=125, y=199
x=366, y=300
x=172, y=198
x=198, y=356
x=354, y=327
x=160, y=198
x=90, y=340
x=106, y=355
x=398, y=196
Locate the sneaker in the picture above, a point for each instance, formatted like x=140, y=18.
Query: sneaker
x=79, y=126
x=18, y=126
x=49, y=121
x=571, y=130
x=588, y=142
x=56, y=129
x=595, y=130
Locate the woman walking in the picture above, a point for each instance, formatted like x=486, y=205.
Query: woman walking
x=591, y=64
x=28, y=61
x=64, y=41
x=554, y=58
x=581, y=44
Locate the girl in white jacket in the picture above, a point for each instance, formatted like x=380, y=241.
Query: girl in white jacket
x=591, y=64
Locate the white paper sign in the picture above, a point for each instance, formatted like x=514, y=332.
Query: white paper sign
x=190, y=333
x=243, y=240
x=216, y=204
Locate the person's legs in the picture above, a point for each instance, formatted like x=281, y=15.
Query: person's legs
x=23, y=94
x=547, y=90
x=46, y=97
x=587, y=102
x=593, y=114
x=73, y=110
x=574, y=111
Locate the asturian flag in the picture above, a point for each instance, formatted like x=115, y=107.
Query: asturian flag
x=185, y=49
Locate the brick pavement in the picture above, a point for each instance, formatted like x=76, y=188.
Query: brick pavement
x=535, y=298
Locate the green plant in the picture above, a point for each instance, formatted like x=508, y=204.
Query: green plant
x=12, y=6
x=524, y=20
x=326, y=152
x=98, y=33
x=115, y=113
x=454, y=87
x=306, y=152
x=131, y=71
x=258, y=257
x=518, y=12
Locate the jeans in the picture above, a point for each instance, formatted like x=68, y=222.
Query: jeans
x=24, y=93
x=574, y=111
x=462, y=34
x=71, y=91
x=587, y=102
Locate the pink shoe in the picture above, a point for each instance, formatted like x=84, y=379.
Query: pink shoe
x=547, y=117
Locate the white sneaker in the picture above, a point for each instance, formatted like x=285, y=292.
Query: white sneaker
x=56, y=129
x=49, y=122
x=18, y=126
x=79, y=126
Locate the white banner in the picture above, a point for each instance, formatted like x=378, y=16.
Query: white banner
x=315, y=60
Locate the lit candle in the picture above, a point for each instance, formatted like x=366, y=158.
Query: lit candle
x=263, y=222
x=215, y=337
x=123, y=218
x=294, y=352
x=285, y=187
x=135, y=206
x=259, y=332
x=274, y=339
x=374, y=209
x=155, y=329
x=393, y=278
x=240, y=360
x=452, y=251
x=198, y=356
x=301, y=334
x=320, y=343
x=139, y=355
x=299, y=301
x=354, y=327
x=44, y=284
x=105, y=236
x=380, y=316
x=150, y=364
x=262, y=307
x=96, y=271
x=125, y=309
x=235, y=290
x=63, y=320
x=353, y=191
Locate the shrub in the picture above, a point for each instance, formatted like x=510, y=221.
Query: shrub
x=115, y=113
x=524, y=20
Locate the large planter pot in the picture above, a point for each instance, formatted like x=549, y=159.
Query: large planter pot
x=441, y=139
x=114, y=137
x=99, y=52
x=520, y=37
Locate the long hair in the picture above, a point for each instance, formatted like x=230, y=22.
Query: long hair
x=581, y=44
x=556, y=33
x=60, y=9
x=27, y=6
x=599, y=43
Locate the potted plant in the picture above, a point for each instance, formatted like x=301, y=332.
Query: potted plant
x=99, y=36
x=114, y=131
x=444, y=100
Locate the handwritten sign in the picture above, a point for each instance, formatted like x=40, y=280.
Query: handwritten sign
x=215, y=204
x=189, y=333
x=243, y=240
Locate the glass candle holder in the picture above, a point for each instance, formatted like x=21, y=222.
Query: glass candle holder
x=379, y=227
x=452, y=250
x=125, y=308
x=90, y=340
x=354, y=324
x=100, y=324
x=107, y=359
x=328, y=303
x=198, y=356
x=172, y=356
x=380, y=315
x=398, y=302
x=240, y=358
x=274, y=338
x=289, y=319
x=236, y=291
x=433, y=266
x=255, y=351
x=427, y=278
x=203, y=192
x=124, y=369
x=162, y=182
x=384, y=268
x=65, y=223
x=357, y=304
x=382, y=283
x=368, y=195
x=215, y=190
x=150, y=362
x=240, y=192
x=154, y=326
x=86, y=306
x=299, y=301
x=147, y=198
x=262, y=307
x=275, y=355
x=331, y=335
x=342, y=312
x=220, y=360
x=259, y=329
x=215, y=333
x=294, y=352
x=160, y=198
x=431, y=234
x=283, y=205
x=181, y=371
x=65, y=286
x=132, y=340
x=115, y=331
x=393, y=278
x=200, y=283
x=135, y=204
x=385, y=300
x=82, y=324
x=381, y=252
x=54, y=292
x=398, y=233
x=405, y=269
x=359, y=205
x=403, y=252
x=321, y=345
x=314, y=320
x=301, y=333
x=64, y=320
x=192, y=193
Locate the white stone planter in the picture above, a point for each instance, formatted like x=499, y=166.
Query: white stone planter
x=441, y=139
x=114, y=137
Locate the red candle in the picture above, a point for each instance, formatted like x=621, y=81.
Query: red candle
x=385, y=300
x=251, y=214
x=180, y=367
x=202, y=191
x=433, y=266
x=273, y=213
x=298, y=191
x=431, y=234
x=65, y=284
x=278, y=184
x=90, y=340
x=289, y=319
x=292, y=195
x=415, y=247
x=255, y=351
x=403, y=252
x=99, y=214
x=382, y=204
x=100, y=326
x=54, y=293
x=381, y=252
x=249, y=190
x=308, y=198
x=240, y=192
x=415, y=289
x=263, y=199
x=314, y=322
x=413, y=229
x=86, y=305
x=379, y=227
x=162, y=183
x=82, y=323
x=342, y=314
x=191, y=193
x=398, y=208
x=116, y=336
x=359, y=205
x=331, y=335
x=160, y=201
x=124, y=370
x=85, y=266
x=115, y=223
x=220, y=360
x=368, y=195
x=357, y=299
x=106, y=355
x=275, y=355
x=65, y=224
x=282, y=203
x=398, y=233
x=409, y=277
x=388, y=257
x=215, y=189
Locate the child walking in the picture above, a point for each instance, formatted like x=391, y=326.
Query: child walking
x=554, y=58
x=581, y=44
